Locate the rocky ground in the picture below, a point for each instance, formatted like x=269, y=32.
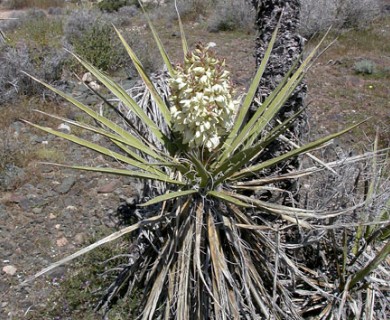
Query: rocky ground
x=46, y=213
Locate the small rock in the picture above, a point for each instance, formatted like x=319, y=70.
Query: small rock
x=10, y=270
x=109, y=187
x=96, y=138
x=37, y=210
x=95, y=221
x=80, y=238
x=87, y=77
x=62, y=242
x=57, y=226
x=15, y=198
x=52, y=216
x=16, y=128
x=11, y=176
x=3, y=213
x=25, y=204
x=66, y=185
x=7, y=249
x=94, y=85
x=65, y=128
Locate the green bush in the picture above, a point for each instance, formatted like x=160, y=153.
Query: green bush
x=114, y=5
x=90, y=35
x=97, y=46
x=365, y=67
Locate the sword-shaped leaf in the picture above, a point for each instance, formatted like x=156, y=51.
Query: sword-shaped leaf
x=131, y=140
x=271, y=162
x=122, y=172
x=240, y=120
x=270, y=107
x=122, y=95
x=100, y=149
x=157, y=39
x=279, y=96
x=182, y=33
x=113, y=137
x=201, y=170
x=111, y=237
x=149, y=84
x=168, y=196
x=243, y=157
x=222, y=195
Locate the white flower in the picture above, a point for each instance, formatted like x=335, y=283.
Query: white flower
x=203, y=109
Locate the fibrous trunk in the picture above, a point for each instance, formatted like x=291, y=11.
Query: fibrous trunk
x=286, y=52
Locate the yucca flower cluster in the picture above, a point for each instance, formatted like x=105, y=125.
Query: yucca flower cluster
x=203, y=108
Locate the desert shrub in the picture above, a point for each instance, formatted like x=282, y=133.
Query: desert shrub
x=124, y=16
x=34, y=46
x=114, y=5
x=194, y=7
x=45, y=63
x=365, y=67
x=92, y=36
x=43, y=4
x=232, y=15
x=319, y=15
x=39, y=30
x=96, y=46
x=128, y=11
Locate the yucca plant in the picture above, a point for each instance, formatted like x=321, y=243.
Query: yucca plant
x=208, y=248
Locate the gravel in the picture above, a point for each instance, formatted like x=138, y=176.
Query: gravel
x=48, y=214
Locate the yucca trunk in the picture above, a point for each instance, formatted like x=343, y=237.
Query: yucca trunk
x=285, y=53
